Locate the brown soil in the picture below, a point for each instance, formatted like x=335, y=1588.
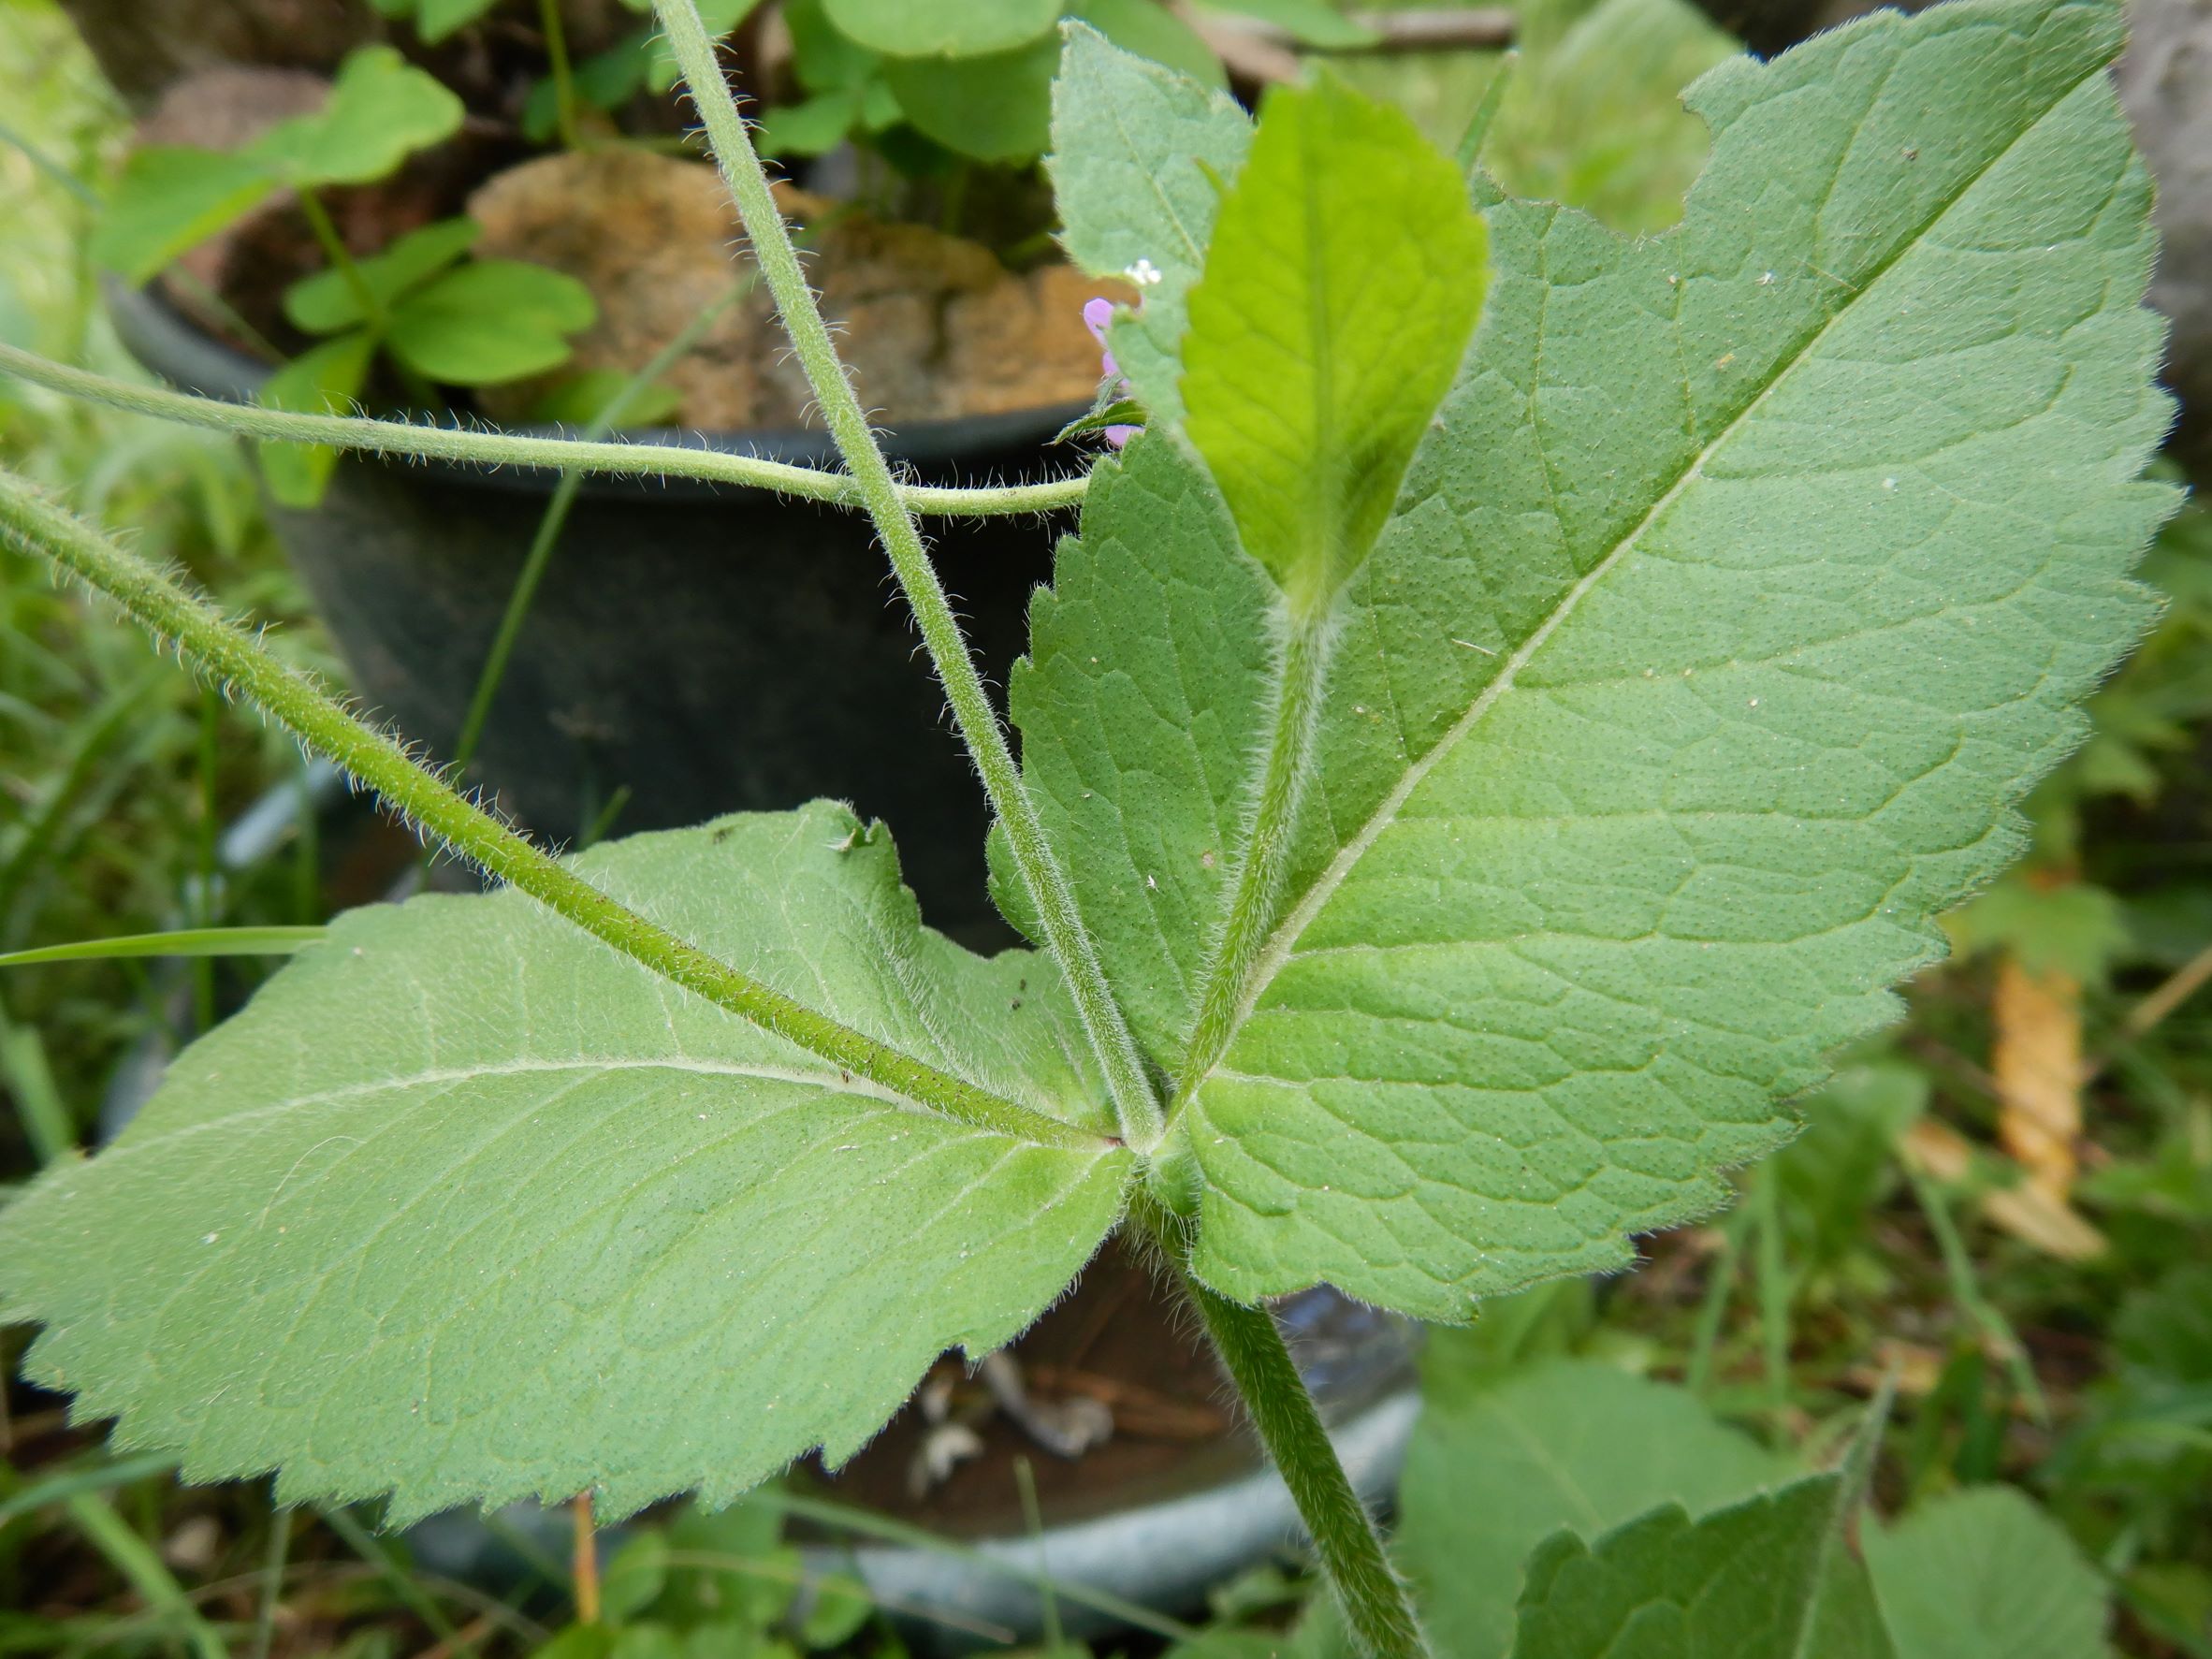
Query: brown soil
x=932, y=325
x=1118, y=1339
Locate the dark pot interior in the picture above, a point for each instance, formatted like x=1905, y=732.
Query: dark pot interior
x=706, y=649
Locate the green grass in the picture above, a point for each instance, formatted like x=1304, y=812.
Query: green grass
x=115, y=771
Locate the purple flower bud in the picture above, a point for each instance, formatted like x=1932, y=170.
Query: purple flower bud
x=1096, y=314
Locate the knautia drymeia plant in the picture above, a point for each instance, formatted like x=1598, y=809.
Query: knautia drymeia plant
x=1515, y=708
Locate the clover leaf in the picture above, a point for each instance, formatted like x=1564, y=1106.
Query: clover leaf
x=381, y=109
x=332, y=300
x=488, y=321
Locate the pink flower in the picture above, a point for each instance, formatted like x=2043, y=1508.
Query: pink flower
x=1096, y=314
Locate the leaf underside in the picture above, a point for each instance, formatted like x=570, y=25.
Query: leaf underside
x=1745, y=577
x=1138, y=157
x=466, y=1206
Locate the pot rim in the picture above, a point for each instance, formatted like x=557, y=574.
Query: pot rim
x=1163, y=1552
x=174, y=346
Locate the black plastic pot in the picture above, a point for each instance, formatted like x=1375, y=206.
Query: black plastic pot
x=707, y=647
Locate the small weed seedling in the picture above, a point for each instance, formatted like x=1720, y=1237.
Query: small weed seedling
x=1513, y=710
x=441, y=317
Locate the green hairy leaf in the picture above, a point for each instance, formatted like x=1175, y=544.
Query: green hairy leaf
x=1146, y=757
x=1747, y=574
x=1346, y=270
x=468, y=1206
x=1771, y=1578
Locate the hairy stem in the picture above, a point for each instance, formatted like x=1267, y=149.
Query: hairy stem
x=1374, y=1599
x=1136, y=1109
x=514, y=449
x=1251, y=914
x=227, y=655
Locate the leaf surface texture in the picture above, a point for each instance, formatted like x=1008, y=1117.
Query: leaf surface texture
x=1744, y=578
x=1139, y=160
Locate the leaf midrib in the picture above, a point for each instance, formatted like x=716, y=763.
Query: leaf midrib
x=1279, y=948
x=1823, y=1557
x=1851, y=1476
x=1194, y=252
x=829, y=1082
